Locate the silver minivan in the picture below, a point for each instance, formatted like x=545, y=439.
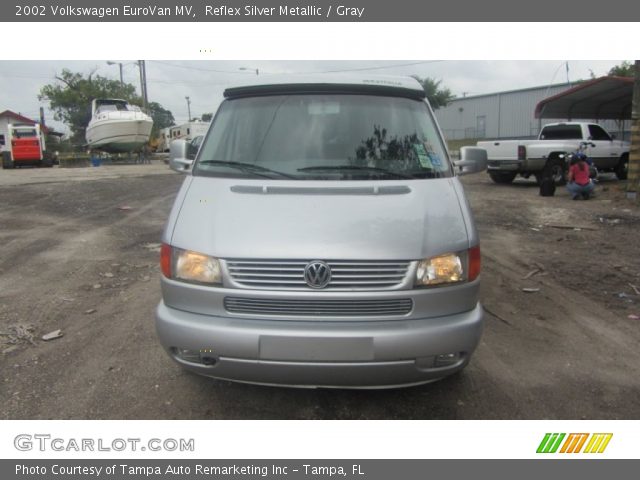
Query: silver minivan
x=321, y=238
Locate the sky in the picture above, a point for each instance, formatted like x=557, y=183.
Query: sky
x=170, y=81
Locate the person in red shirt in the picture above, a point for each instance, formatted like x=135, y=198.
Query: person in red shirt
x=578, y=183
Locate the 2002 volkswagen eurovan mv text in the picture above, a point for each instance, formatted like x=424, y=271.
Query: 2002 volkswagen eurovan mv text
x=321, y=238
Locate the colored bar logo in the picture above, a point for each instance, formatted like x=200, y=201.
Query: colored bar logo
x=574, y=443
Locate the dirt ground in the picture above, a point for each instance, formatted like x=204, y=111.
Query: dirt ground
x=79, y=253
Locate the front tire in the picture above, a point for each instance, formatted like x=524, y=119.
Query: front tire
x=622, y=169
x=502, y=177
x=7, y=162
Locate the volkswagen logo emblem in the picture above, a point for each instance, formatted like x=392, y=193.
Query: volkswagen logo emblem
x=317, y=274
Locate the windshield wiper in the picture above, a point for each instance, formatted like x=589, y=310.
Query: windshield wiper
x=321, y=168
x=246, y=167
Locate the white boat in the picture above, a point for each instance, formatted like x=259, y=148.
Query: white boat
x=116, y=126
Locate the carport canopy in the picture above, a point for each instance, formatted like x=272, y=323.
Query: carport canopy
x=604, y=98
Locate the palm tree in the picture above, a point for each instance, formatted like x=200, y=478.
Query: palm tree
x=438, y=97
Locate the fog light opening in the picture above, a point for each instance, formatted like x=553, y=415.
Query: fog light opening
x=447, y=359
x=201, y=356
x=187, y=355
x=207, y=360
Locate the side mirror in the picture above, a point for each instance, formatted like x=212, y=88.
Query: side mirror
x=613, y=136
x=193, y=146
x=472, y=160
x=192, y=151
x=178, y=160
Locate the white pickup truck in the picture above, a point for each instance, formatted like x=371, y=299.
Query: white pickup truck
x=547, y=156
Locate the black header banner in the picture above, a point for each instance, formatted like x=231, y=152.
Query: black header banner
x=322, y=11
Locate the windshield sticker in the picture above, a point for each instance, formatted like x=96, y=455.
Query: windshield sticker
x=323, y=108
x=435, y=159
x=423, y=156
x=433, y=156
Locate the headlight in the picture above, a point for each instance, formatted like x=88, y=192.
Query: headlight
x=449, y=268
x=438, y=270
x=189, y=266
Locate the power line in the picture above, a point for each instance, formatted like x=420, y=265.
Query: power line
x=189, y=67
x=381, y=67
x=17, y=75
x=361, y=69
x=152, y=80
x=199, y=68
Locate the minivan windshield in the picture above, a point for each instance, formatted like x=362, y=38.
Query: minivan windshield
x=24, y=133
x=323, y=136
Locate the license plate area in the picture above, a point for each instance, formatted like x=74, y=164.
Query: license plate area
x=316, y=349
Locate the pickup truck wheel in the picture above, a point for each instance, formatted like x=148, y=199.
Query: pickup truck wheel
x=6, y=160
x=502, y=177
x=622, y=168
x=555, y=169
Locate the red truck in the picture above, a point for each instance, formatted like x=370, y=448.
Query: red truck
x=25, y=145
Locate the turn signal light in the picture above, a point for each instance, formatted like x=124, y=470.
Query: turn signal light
x=165, y=260
x=474, y=263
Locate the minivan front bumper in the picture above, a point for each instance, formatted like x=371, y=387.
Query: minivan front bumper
x=360, y=354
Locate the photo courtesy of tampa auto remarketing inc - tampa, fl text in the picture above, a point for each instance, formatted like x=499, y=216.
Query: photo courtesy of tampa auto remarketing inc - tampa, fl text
x=299, y=240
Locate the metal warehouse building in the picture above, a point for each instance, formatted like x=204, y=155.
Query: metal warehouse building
x=506, y=115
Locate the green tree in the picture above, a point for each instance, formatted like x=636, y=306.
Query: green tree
x=162, y=118
x=206, y=117
x=625, y=69
x=437, y=96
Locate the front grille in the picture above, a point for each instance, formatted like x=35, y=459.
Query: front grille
x=319, y=308
x=345, y=275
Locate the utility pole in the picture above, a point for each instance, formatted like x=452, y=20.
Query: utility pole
x=633, y=182
x=143, y=84
x=188, y=108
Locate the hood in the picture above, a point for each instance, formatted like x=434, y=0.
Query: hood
x=239, y=218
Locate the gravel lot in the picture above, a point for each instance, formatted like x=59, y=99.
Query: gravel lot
x=79, y=253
